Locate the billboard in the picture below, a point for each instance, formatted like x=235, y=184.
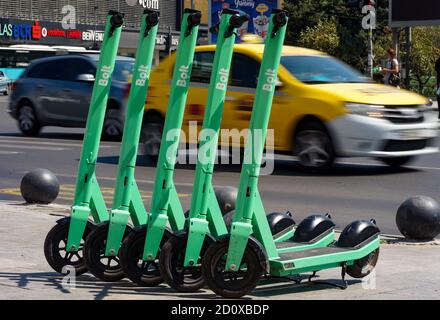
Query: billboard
x=408, y=13
x=258, y=10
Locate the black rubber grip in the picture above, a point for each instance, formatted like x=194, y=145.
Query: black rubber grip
x=195, y=18
x=152, y=18
x=238, y=21
x=117, y=20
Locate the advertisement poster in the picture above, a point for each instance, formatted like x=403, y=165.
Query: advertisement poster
x=258, y=10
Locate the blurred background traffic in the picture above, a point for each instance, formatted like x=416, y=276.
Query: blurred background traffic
x=355, y=106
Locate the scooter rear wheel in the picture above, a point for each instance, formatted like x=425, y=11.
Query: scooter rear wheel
x=55, y=250
x=171, y=260
x=143, y=273
x=363, y=267
x=232, y=284
x=101, y=266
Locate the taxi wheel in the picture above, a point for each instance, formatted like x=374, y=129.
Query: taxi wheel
x=313, y=147
x=151, y=136
x=397, y=162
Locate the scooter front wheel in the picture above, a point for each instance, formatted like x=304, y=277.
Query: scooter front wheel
x=55, y=249
x=143, y=273
x=233, y=284
x=106, y=268
x=171, y=264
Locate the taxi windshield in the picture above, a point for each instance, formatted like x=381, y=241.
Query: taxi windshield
x=321, y=69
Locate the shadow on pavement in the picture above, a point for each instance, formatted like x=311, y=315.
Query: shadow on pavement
x=279, y=287
x=98, y=288
x=101, y=290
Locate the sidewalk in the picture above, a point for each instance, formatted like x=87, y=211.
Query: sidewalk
x=405, y=271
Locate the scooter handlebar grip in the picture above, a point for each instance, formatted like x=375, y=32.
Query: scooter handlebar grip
x=238, y=21
x=152, y=18
x=280, y=17
x=117, y=20
x=195, y=18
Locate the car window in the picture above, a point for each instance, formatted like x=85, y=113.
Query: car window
x=2, y=74
x=76, y=66
x=244, y=71
x=53, y=70
x=321, y=69
x=37, y=70
x=202, y=67
x=123, y=70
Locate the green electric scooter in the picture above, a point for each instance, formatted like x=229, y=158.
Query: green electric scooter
x=102, y=244
x=182, y=272
x=234, y=264
x=139, y=264
x=64, y=243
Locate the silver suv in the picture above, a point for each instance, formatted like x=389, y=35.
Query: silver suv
x=56, y=91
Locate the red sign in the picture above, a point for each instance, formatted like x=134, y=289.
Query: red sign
x=36, y=31
x=74, y=34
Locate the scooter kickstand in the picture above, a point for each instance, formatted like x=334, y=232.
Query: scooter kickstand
x=340, y=286
x=297, y=279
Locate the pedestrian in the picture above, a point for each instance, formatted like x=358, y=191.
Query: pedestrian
x=392, y=69
x=437, y=70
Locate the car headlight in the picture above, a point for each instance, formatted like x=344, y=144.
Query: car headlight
x=369, y=110
x=428, y=108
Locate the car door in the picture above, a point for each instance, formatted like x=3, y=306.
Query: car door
x=239, y=99
x=44, y=82
x=77, y=92
x=198, y=94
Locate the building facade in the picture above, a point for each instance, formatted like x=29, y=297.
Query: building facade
x=81, y=22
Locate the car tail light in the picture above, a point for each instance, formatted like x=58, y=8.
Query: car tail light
x=14, y=85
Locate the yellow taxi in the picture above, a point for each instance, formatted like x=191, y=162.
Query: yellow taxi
x=323, y=109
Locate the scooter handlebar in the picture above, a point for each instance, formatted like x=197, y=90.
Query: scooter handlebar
x=117, y=20
x=152, y=18
x=238, y=21
x=194, y=19
x=280, y=17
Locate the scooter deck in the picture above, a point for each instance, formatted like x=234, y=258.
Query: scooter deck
x=291, y=263
x=323, y=240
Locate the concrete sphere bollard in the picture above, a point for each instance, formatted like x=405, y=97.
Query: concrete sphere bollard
x=227, y=198
x=418, y=218
x=40, y=186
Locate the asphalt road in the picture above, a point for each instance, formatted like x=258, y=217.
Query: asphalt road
x=354, y=189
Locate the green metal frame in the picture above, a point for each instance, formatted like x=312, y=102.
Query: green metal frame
x=88, y=197
x=127, y=200
x=250, y=218
x=165, y=205
x=205, y=214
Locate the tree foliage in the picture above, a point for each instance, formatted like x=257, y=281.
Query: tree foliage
x=425, y=51
x=323, y=36
x=307, y=15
